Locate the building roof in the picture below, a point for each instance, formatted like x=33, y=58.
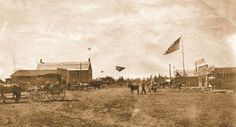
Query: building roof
x=223, y=70
x=189, y=73
x=64, y=65
x=32, y=73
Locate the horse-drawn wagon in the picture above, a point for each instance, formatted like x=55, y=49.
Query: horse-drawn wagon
x=48, y=91
x=47, y=87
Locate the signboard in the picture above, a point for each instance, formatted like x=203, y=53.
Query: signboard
x=203, y=70
x=199, y=62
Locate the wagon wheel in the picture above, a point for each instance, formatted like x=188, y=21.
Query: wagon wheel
x=58, y=93
x=48, y=95
x=31, y=94
x=37, y=95
x=3, y=98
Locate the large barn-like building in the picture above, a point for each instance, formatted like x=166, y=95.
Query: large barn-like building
x=66, y=72
x=72, y=72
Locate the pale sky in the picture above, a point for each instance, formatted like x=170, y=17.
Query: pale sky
x=130, y=33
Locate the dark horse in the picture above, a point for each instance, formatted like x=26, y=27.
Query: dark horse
x=133, y=87
x=10, y=88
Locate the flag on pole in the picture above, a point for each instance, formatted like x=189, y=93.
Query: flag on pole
x=173, y=47
x=119, y=68
x=89, y=48
x=102, y=71
x=200, y=61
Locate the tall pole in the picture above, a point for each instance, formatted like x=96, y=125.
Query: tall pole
x=183, y=56
x=90, y=52
x=170, y=75
x=170, y=70
x=14, y=62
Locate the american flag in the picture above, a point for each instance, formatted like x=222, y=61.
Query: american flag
x=173, y=47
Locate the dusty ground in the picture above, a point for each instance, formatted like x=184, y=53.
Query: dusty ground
x=117, y=107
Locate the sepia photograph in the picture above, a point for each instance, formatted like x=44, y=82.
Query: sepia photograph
x=117, y=63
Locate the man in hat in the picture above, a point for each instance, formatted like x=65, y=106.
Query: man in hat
x=143, y=88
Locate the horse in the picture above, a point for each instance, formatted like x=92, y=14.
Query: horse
x=10, y=88
x=133, y=87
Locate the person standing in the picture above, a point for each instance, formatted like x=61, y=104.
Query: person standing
x=180, y=86
x=143, y=89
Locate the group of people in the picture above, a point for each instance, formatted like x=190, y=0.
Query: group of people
x=151, y=85
x=135, y=87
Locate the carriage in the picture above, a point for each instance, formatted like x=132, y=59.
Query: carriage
x=50, y=91
x=49, y=87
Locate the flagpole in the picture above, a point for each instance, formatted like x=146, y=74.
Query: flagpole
x=89, y=49
x=90, y=53
x=183, y=56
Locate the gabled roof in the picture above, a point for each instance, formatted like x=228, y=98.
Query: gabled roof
x=64, y=65
x=33, y=73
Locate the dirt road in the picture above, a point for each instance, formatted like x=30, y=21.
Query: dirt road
x=117, y=107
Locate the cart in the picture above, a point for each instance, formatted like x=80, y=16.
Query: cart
x=49, y=92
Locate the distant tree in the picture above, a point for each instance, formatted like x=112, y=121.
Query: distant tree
x=155, y=78
x=128, y=80
x=1, y=81
x=120, y=79
x=109, y=80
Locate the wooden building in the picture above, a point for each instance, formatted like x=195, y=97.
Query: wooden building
x=66, y=72
x=222, y=77
x=190, y=79
x=73, y=72
x=33, y=76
